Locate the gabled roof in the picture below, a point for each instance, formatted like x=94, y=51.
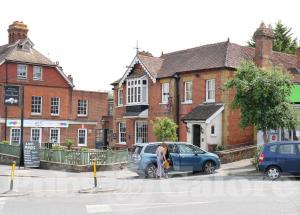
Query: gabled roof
x=151, y=65
x=212, y=56
x=16, y=53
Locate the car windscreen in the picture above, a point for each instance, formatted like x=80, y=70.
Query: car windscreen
x=151, y=149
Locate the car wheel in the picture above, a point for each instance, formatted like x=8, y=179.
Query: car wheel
x=273, y=172
x=151, y=171
x=209, y=167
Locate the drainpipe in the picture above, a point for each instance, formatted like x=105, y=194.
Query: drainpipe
x=177, y=80
x=5, y=108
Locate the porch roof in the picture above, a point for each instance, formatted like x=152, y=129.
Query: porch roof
x=203, y=112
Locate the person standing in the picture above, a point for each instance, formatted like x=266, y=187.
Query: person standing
x=161, y=157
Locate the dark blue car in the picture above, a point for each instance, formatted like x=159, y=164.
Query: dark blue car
x=280, y=157
x=184, y=157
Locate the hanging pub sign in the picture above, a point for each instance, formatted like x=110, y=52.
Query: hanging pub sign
x=11, y=95
x=31, y=154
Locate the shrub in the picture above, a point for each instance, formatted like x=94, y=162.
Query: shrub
x=56, y=147
x=84, y=149
x=219, y=148
x=69, y=143
x=5, y=142
x=255, y=159
x=165, y=129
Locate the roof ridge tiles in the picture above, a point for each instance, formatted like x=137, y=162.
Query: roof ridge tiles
x=183, y=50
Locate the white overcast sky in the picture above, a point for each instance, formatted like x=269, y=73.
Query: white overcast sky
x=94, y=40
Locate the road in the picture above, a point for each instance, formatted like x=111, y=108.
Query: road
x=53, y=192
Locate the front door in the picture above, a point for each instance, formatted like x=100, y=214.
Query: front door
x=197, y=135
x=101, y=138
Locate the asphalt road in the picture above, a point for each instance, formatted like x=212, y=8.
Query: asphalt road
x=52, y=192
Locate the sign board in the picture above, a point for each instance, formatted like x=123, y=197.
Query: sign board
x=38, y=123
x=11, y=95
x=31, y=154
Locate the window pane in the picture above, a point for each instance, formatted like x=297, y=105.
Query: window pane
x=82, y=107
x=36, y=104
x=55, y=103
x=141, y=130
x=15, y=136
x=37, y=73
x=287, y=149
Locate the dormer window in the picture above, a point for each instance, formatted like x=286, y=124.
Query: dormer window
x=137, y=91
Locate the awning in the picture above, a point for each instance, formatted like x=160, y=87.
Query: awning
x=205, y=112
x=295, y=95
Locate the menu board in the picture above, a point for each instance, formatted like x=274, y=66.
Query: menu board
x=31, y=154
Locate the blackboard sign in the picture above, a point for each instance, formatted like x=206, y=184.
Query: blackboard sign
x=11, y=95
x=31, y=154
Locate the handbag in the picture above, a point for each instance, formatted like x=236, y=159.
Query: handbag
x=166, y=165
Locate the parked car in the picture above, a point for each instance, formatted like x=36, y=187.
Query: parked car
x=280, y=157
x=184, y=157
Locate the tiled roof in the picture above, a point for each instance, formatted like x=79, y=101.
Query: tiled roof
x=218, y=55
x=13, y=52
x=202, y=112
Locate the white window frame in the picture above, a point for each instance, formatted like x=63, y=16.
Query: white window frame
x=186, y=91
x=135, y=89
x=165, y=92
x=58, y=135
x=55, y=114
x=120, y=97
x=85, y=139
x=86, y=109
x=11, y=131
x=40, y=132
x=21, y=76
x=135, y=131
x=41, y=106
x=215, y=133
x=210, y=86
x=37, y=70
x=123, y=132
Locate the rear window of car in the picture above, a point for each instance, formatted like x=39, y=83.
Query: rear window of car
x=287, y=149
x=137, y=150
x=151, y=149
x=273, y=148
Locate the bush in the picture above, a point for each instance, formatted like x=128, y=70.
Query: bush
x=69, y=143
x=165, y=129
x=56, y=147
x=219, y=148
x=255, y=159
x=84, y=149
x=5, y=142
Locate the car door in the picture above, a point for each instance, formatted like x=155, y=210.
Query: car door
x=298, y=158
x=174, y=157
x=189, y=158
x=287, y=157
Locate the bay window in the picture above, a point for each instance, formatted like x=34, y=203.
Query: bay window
x=137, y=91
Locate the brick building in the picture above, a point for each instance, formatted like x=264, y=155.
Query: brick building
x=186, y=86
x=53, y=110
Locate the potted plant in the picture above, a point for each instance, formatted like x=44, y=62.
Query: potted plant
x=69, y=143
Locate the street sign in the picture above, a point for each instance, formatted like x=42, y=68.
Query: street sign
x=11, y=95
x=31, y=154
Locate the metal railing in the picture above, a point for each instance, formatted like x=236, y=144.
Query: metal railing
x=73, y=157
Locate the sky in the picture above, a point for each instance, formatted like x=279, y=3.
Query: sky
x=94, y=40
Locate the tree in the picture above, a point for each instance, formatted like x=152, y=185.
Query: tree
x=283, y=40
x=165, y=129
x=262, y=97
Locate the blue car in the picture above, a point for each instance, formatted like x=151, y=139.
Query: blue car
x=280, y=157
x=184, y=157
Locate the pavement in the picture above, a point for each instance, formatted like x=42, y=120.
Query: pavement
x=234, y=189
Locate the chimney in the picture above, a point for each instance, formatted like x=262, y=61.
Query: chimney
x=298, y=57
x=70, y=78
x=17, y=31
x=263, y=45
